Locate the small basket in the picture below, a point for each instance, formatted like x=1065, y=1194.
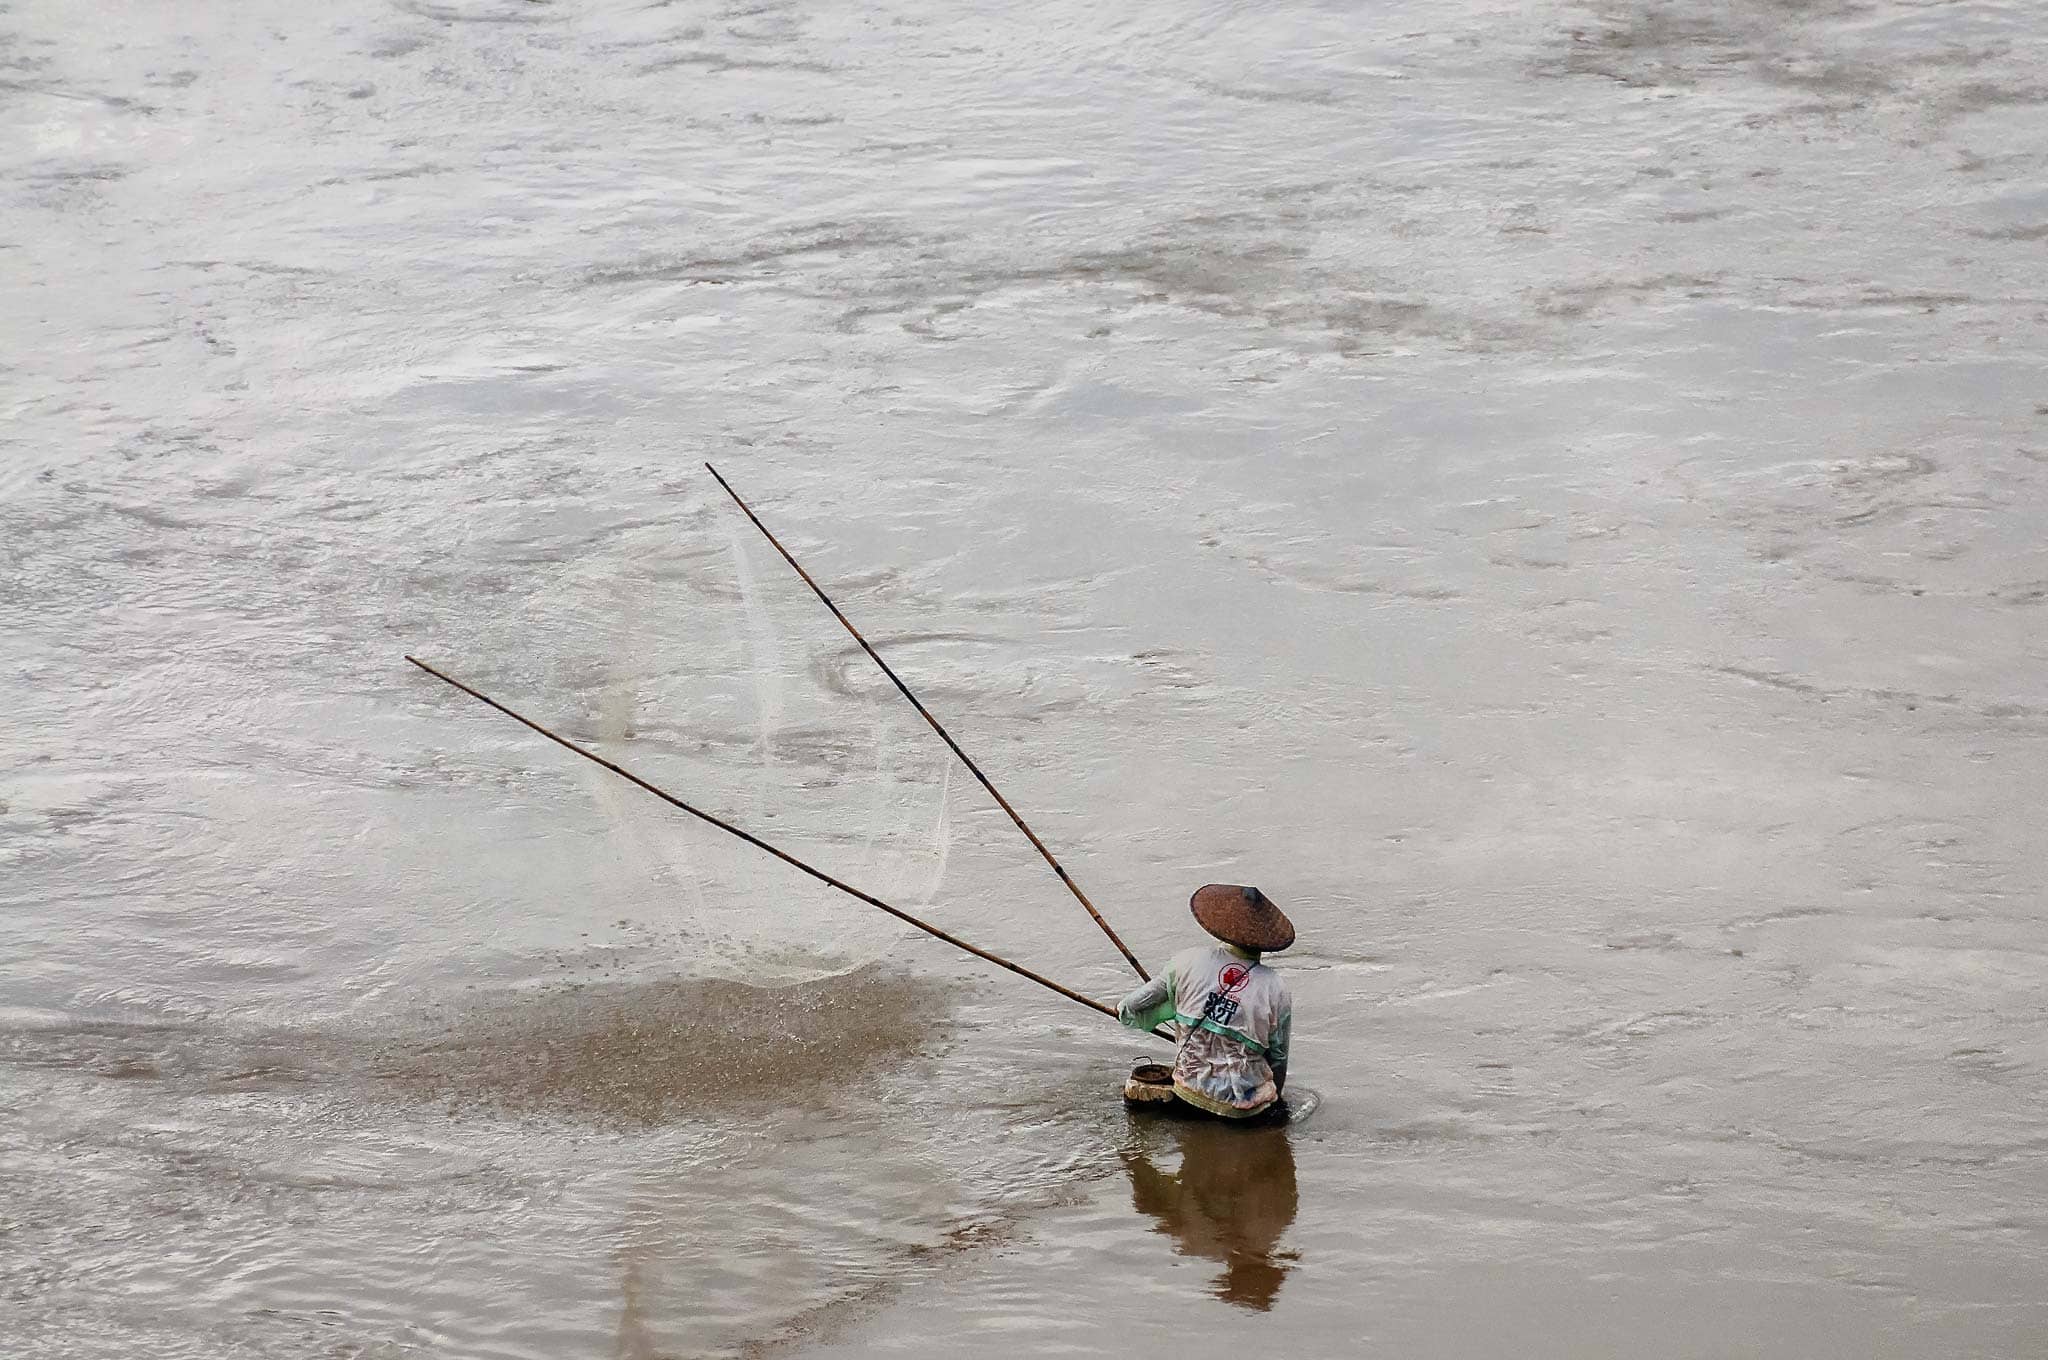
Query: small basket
x=1150, y=1083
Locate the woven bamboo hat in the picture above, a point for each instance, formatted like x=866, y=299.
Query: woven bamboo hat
x=1242, y=916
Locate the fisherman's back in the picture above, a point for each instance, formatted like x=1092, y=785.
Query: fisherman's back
x=1233, y=1013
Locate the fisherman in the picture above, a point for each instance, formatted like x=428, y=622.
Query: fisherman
x=1231, y=1012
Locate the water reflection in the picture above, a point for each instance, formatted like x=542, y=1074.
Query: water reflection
x=1230, y=1201
x=636, y=1338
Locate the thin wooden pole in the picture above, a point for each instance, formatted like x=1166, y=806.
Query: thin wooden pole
x=780, y=854
x=939, y=728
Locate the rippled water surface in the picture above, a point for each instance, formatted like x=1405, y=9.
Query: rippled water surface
x=1551, y=492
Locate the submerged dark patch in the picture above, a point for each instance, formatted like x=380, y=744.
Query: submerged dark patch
x=656, y=1052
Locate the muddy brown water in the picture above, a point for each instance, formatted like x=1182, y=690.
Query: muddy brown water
x=1551, y=492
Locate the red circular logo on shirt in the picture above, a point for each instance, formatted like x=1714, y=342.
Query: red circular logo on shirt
x=1235, y=976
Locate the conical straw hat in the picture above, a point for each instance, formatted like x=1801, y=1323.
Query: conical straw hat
x=1242, y=916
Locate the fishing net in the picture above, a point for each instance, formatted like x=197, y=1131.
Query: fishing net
x=730, y=716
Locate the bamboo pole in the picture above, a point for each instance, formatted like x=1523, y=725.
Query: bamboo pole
x=939, y=728
x=780, y=854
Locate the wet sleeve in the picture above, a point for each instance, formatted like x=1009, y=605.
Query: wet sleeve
x=1149, y=1005
x=1276, y=1047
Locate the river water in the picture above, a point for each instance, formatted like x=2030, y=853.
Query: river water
x=1550, y=492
